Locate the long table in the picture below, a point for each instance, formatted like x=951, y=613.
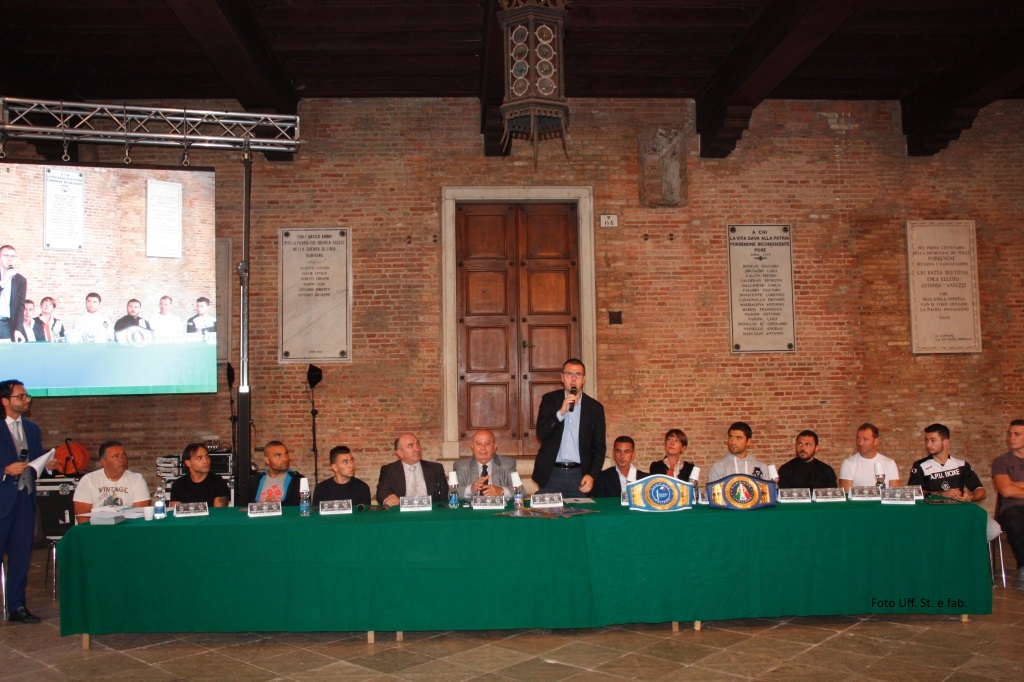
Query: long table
x=475, y=570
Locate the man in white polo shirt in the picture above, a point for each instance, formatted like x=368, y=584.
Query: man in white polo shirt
x=863, y=466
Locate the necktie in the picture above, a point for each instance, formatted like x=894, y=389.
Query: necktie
x=19, y=436
x=483, y=472
x=27, y=481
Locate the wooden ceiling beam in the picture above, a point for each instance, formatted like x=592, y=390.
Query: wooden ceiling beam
x=23, y=76
x=230, y=36
x=492, y=83
x=783, y=36
x=944, y=106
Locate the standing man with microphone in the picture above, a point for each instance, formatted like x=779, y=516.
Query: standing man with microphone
x=19, y=443
x=571, y=429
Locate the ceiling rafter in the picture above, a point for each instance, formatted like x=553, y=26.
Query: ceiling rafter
x=231, y=38
x=937, y=112
x=782, y=37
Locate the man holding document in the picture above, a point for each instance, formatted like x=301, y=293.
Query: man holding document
x=20, y=446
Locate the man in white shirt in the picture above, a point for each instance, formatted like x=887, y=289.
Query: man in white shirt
x=166, y=325
x=738, y=461
x=92, y=326
x=112, y=487
x=864, y=466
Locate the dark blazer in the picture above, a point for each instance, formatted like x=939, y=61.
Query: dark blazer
x=549, y=431
x=392, y=480
x=608, y=485
x=19, y=288
x=17, y=513
x=660, y=467
x=9, y=455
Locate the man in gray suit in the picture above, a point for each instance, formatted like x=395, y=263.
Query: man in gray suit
x=485, y=473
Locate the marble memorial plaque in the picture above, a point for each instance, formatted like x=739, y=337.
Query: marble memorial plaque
x=943, y=269
x=163, y=219
x=761, y=307
x=316, y=295
x=64, y=209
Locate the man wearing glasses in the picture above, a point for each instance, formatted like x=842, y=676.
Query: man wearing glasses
x=571, y=431
x=113, y=487
x=19, y=442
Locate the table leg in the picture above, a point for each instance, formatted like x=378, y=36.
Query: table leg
x=399, y=636
x=696, y=625
x=964, y=618
x=675, y=626
x=85, y=641
x=369, y=636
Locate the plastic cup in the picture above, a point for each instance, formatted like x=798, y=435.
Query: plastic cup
x=148, y=512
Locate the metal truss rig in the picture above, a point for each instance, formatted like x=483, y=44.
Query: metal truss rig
x=130, y=126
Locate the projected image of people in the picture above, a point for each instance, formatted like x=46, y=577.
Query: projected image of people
x=117, y=247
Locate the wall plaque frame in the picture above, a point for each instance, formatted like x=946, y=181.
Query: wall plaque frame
x=761, y=311
x=316, y=295
x=942, y=266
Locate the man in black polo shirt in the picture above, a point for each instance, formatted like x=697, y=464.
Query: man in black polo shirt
x=343, y=485
x=199, y=485
x=805, y=470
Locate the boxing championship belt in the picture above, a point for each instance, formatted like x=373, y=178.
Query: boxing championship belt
x=741, y=491
x=660, y=493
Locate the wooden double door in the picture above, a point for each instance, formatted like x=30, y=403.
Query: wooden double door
x=518, y=314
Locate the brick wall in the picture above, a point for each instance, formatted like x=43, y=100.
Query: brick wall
x=836, y=171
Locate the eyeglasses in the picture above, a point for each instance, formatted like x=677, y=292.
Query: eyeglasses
x=26, y=396
x=573, y=375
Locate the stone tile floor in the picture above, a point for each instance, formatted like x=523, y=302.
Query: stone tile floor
x=903, y=648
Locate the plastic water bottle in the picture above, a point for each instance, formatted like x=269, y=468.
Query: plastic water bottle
x=304, y=504
x=517, y=497
x=159, y=503
x=453, y=496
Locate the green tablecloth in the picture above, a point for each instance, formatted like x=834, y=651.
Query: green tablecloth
x=474, y=570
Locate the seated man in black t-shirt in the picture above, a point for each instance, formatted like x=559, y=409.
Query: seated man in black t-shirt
x=343, y=485
x=199, y=485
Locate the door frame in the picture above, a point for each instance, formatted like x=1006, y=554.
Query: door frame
x=583, y=197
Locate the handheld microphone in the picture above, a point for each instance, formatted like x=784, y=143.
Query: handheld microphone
x=230, y=376
x=23, y=455
x=573, y=391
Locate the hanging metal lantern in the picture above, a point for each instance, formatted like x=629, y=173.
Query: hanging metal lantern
x=535, y=107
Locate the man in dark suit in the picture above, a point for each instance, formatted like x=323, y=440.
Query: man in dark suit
x=613, y=480
x=410, y=475
x=571, y=432
x=17, y=506
x=13, y=288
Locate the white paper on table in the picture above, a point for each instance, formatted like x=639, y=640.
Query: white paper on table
x=111, y=512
